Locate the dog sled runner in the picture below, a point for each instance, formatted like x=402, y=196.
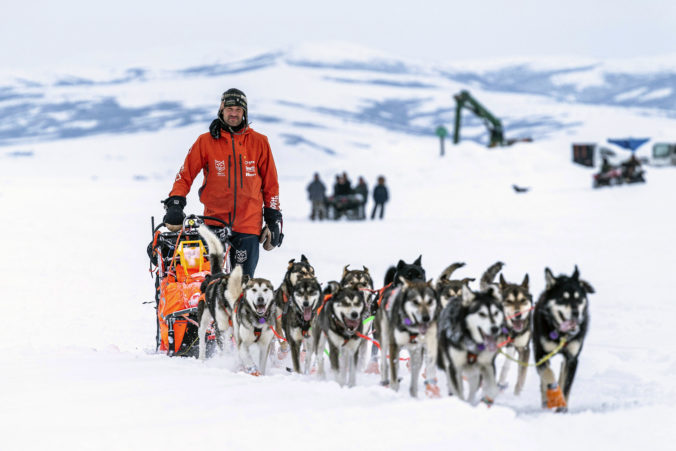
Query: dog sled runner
x=180, y=262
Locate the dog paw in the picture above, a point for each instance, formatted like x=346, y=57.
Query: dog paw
x=555, y=398
x=503, y=387
x=253, y=371
x=372, y=368
x=385, y=383
x=488, y=401
x=432, y=389
x=282, y=353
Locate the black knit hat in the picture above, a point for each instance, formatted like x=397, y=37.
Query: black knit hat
x=235, y=97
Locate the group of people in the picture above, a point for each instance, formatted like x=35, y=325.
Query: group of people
x=346, y=197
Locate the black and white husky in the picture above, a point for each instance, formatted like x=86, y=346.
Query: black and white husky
x=360, y=279
x=339, y=323
x=220, y=292
x=253, y=322
x=408, y=321
x=304, y=301
x=471, y=328
x=561, y=313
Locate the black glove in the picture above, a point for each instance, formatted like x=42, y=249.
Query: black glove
x=273, y=219
x=174, y=206
x=215, y=128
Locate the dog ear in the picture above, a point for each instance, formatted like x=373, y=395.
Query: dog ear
x=467, y=280
x=502, y=282
x=366, y=270
x=291, y=263
x=303, y=258
x=467, y=296
x=495, y=292
x=418, y=261
x=245, y=279
x=550, y=280
x=587, y=287
x=345, y=270
x=401, y=264
x=524, y=284
x=576, y=274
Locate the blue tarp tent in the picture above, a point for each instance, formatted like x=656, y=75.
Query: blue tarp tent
x=629, y=143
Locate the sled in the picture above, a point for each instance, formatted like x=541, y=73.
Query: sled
x=180, y=261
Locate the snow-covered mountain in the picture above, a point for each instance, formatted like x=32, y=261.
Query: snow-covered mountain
x=86, y=157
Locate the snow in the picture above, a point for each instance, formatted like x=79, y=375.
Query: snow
x=77, y=349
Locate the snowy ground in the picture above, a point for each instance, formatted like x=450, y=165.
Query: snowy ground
x=77, y=350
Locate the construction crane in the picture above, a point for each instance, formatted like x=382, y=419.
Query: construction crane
x=465, y=100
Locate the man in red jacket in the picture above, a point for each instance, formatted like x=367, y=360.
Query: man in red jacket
x=240, y=182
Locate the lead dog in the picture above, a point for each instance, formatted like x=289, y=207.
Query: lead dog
x=301, y=310
x=339, y=323
x=253, y=321
x=219, y=293
x=409, y=321
x=470, y=331
x=561, y=317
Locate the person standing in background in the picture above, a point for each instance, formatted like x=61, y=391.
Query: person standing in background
x=380, y=196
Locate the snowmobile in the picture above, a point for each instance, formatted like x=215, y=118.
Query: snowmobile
x=611, y=177
x=345, y=204
x=180, y=262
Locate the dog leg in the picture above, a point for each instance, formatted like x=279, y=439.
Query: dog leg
x=246, y=358
x=264, y=349
x=524, y=356
x=568, y=370
x=490, y=387
x=394, y=365
x=354, y=365
x=295, y=353
x=474, y=382
x=384, y=370
x=309, y=350
x=205, y=321
x=510, y=352
x=319, y=352
x=416, y=365
x=334, y=359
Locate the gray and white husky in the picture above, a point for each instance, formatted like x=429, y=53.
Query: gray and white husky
x=408, y=321
x=220, y=292
x=561, y=313
x=517, y=303
x=471, y=328
x=339, y=324
x=253, y=322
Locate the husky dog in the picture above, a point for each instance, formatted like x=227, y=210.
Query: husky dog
x=360, y=279
x=302, y=307
x=413, y=272
x=331, y=287
x=561, y=313
x=294, y=272
x=253, y=320
x=471, y=327
x=339, y=323
x=517, y=303
x=219, y=293
x=448, y=288
x=409, y=321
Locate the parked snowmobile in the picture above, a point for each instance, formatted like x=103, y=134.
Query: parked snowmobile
x=180, y=261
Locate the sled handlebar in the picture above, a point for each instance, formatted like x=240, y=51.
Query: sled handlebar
x=194, y=221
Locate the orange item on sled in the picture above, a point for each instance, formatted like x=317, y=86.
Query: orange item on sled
x=180, y=289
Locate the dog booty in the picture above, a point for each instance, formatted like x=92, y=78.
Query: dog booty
x=555, y=398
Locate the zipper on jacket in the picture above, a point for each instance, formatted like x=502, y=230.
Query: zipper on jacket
x=241, y=177
x=234, y=174
x=229, y=168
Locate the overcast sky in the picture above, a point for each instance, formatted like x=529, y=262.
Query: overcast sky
x=67, y=33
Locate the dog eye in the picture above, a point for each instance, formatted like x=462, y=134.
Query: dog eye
x=482, y=314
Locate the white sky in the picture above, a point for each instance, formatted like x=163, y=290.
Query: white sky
x=66, y=33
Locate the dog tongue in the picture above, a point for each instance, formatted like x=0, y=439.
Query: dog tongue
x=307, y=313
x=568, y=325
x=517, y=324
x=491, y=345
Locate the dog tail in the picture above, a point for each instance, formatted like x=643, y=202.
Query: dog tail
x=216, y=251
x=489, y=275
x=234, y=288
x=446, y=273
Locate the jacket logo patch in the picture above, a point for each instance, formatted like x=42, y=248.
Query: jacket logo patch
x=250, y=168
x=220, y=167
